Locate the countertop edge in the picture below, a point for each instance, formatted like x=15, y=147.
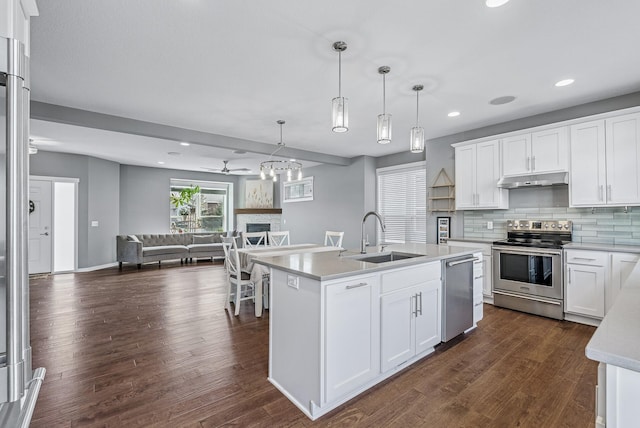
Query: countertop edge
x=368, y=268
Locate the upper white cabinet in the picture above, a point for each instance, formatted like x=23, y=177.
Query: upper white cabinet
x=536, y=153
x=605, y=162
x=477, y=173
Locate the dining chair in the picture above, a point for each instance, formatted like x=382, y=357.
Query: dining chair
x=254, y=239
x=239, y=284
x=333, y=239
x=277, y=239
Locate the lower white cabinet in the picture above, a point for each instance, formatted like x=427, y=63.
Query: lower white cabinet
x=352, y=335
x=409, y=314
x=621, y=266
x=585, y=282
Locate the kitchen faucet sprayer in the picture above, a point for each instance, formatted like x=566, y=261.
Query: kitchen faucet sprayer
x=363, y=241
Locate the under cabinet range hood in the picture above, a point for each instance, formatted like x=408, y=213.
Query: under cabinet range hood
x=548, y=179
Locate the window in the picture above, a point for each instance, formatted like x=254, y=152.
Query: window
x=402, y=202
x=209, y=210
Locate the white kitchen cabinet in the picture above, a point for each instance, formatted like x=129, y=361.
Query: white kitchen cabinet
x=536, y=153
x=352, y=335
x=586, y=273
x=605, y=162
x=621, y=266
x=410, y=308
x=477, y=175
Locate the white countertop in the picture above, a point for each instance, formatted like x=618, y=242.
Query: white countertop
x=617, y=339
x=330, y=265
x=602, y=247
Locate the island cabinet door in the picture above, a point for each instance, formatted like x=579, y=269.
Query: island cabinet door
x=427, y=319
x=397, y=313
x=352, y=351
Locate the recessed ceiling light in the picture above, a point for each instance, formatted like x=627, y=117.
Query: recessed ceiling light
x=161, y=162
x=184, y=144
x=502, y=100
x=454, y=114
x=495, y=3
x=565, y=82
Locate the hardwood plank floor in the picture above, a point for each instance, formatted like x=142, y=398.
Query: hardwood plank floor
x=154, y=347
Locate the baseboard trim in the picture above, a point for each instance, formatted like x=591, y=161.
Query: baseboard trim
x=92, y=268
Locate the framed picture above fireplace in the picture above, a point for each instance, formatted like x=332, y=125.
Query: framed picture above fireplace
x=258, y=194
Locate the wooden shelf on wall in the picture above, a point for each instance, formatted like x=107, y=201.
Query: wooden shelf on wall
x=257, y=211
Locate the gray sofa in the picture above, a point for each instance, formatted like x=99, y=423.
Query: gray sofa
x=141, y=249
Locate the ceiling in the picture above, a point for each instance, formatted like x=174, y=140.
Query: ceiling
x=232, y=68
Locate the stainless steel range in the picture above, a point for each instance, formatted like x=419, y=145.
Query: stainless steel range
x=528, y=267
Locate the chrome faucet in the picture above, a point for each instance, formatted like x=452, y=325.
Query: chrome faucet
x=363, y=241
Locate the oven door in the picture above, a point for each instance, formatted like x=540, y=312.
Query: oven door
x=529, y=271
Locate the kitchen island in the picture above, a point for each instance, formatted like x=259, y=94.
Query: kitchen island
x=340, y=324
x=616, y=345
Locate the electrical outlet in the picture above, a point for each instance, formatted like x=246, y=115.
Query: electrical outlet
x=293, y=281
x=490, y=225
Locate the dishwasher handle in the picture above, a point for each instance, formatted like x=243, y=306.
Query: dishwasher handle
x=459, y=262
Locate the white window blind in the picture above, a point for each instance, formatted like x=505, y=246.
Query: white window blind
x=402, y=202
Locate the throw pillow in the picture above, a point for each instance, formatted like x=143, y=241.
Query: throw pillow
x=202, y=239
x=133, y=238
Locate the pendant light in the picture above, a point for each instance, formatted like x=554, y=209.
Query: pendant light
x=417, y=132
x=339, y=105
x=274, y=167
x=384, y=119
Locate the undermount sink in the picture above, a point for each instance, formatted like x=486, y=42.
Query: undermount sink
x=384, y=257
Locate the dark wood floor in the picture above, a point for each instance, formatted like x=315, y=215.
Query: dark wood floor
x=155, y=348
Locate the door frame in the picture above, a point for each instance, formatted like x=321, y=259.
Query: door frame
x=53, y=181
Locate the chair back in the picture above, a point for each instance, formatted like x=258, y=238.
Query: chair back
x=231, y=256
x=333, y=239
x=277, y=239
x=254, y=239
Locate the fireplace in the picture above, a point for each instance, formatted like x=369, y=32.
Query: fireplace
x=258, y=227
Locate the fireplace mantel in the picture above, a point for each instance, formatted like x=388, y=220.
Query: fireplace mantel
x=257, y=211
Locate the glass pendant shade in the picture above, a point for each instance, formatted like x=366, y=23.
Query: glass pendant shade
x=384, y=128
x=340, y=114
x=417, y=139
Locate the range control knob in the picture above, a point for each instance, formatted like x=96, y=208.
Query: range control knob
x=546, y=225
x=515, y=225
x=509, y=224
x=566, y=226
x=553, y=225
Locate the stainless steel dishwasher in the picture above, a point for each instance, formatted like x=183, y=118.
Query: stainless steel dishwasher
x=457, y=296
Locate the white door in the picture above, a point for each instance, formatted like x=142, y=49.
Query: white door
x=427, y=321
x=488, y=174
x=397, y=327
x=585, y=290
x=621, y=266
x=465, y=160
x=40, y=226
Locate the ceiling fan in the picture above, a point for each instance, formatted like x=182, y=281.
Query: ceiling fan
x=226, y=170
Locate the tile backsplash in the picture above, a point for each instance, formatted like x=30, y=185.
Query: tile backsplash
x=600, y=225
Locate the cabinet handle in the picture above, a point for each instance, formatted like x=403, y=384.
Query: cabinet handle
x=528, y=163
x=477, y=277
x=569, y=275
x=600, y=193
x=609, y=192
x=415, y=305
x=420, y=293
x=533, y=163
x=583, y=258
x=350, y=286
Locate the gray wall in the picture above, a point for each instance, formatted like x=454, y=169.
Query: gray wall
x=341, y=196
x=97, y=199
x=144, y=196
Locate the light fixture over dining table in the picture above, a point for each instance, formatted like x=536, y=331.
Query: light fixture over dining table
x=273, y=167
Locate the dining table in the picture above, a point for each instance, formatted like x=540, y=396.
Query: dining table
x=259, y=274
